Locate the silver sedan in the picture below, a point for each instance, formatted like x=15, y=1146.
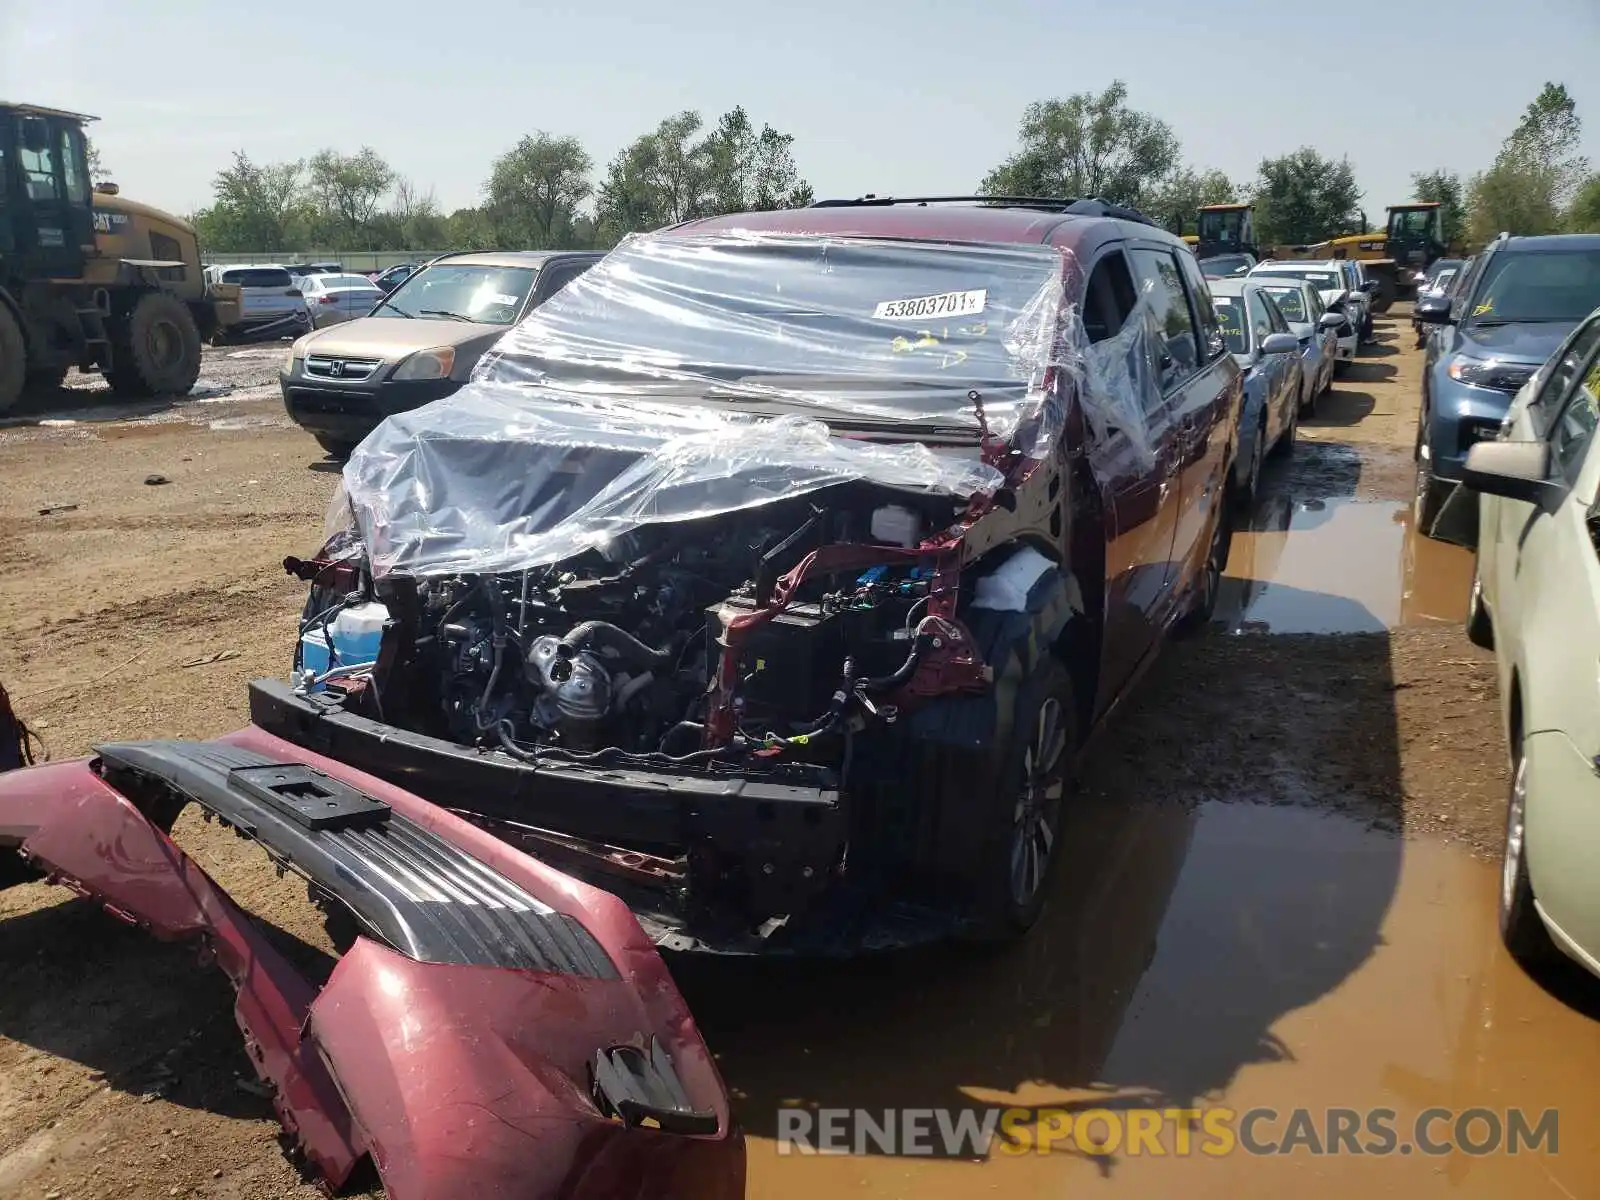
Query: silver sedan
x=331, y=299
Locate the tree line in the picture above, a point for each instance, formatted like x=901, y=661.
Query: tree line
x=544, y=191
x=1096, y=144
x=539, y=194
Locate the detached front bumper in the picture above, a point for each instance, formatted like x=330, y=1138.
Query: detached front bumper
x=714, y=862
x=499, y=1029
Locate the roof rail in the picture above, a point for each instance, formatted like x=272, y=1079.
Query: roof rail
x=1091, y=206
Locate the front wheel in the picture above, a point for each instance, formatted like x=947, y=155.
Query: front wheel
x=336, y=447
x=155, y=349
x=1521, y=928
x=1480, y=629
x=1023, y=841
x=13, y=359
x=1430, y=498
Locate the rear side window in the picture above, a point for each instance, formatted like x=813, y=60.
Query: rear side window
x=1166, y=305
x=259, y=277
x=1109, y=297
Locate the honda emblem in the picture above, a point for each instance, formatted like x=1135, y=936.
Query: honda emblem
x=336, y=368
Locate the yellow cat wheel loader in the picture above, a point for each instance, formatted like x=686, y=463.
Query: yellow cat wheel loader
x=89, y=279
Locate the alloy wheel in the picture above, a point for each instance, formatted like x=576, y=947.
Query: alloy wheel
x=1516, y=811
x=1036, y=819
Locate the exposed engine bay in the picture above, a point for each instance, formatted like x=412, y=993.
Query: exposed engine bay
x=760, y=636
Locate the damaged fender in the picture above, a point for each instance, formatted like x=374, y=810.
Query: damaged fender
x=458, y=1074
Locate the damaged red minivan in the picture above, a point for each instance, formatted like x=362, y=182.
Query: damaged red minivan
x=768, y=582
x=772, y=575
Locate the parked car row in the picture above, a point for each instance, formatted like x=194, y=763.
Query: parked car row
x=1506, y=443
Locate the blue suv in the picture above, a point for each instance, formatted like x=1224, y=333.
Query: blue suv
x=1521, y=298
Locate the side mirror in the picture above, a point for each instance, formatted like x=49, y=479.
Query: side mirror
x=1515, y=470
x=1280, y=343
x=1433, y=312
x=1330, y=320
x=1370, y=287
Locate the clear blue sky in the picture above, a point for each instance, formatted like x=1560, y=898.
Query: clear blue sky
x=910, y=97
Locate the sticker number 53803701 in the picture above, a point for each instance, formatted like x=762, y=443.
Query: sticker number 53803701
x=946, y=304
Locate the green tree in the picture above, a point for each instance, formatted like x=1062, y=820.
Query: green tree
x=254, y=207
x=1176, y=199
x=1584, y=214
x=1304, y=197
x=1087, y=145
x=469, y=229
x=748, y=171
x=1444, y=189
x=346, y=190
x=1537, y=172
x=1546, y=142
x=677, y=172
x=535, y=189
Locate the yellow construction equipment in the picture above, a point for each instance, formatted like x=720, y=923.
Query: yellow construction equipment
x=89, y=279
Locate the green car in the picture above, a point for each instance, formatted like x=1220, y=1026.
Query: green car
x=1536, y=602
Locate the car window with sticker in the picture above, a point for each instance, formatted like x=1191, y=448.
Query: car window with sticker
x=1230, y=312
x=1291, y=302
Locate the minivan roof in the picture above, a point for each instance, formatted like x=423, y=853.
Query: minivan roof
x=933, y=223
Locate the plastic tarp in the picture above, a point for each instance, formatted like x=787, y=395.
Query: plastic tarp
x=689, y=376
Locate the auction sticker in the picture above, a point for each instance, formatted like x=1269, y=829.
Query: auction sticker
x=946, y=304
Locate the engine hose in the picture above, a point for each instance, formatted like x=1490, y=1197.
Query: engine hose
x=901, y=676
x=618, y=641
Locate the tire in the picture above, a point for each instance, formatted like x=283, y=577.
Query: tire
x=1245, y=493
x=1284, y=446
x=1309, y=408
x=1429, y=500
x=339, y=448
x=13, y=359
x=46, y=379
x=1521, y=928
x=1203, y=597
x=1480, y=628
x=1024, y=835
x=155, y=349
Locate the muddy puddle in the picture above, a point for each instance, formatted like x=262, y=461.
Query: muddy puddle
x=1228, y=958
x=1309, y=562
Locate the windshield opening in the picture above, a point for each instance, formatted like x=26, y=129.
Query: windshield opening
x=1230, y=315
x=854, y=324
x=1291, y=302
x=463, y=291
x=1563, y=285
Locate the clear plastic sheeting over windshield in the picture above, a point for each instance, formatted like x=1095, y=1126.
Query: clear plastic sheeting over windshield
x=690, y=376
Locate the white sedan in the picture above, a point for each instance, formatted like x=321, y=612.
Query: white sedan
x=1328, y=278
x=1536, y=600
x=331, y=299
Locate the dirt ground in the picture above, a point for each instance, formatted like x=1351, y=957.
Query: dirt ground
x=140, y=609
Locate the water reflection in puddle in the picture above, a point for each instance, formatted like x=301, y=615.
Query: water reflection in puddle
x=1236, y=955
x=1351, y=566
